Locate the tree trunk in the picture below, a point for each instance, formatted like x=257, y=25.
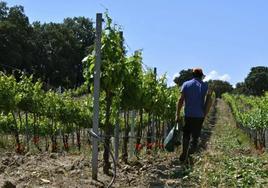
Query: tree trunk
x=65, y=142
x=16, y=134
x=163, y=134
x=27, y=131
x=107, y=132
x=256, y=139
x=78, y=138
x=72, y=138
x=158, y=131
x=47, y=144
x=139, y=132
x=53, y=138
x=36, y=137
x=149, y=133
x=126, y=138
x=84, y=136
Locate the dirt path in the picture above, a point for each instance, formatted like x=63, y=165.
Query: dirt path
x=226, y=159
x=230, y=159
x=168, y=171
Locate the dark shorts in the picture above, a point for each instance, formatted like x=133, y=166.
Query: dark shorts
x=193, y=127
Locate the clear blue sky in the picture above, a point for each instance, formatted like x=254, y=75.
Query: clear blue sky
x=226, y=38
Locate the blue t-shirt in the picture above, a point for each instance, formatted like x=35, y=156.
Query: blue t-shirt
x=194, y=91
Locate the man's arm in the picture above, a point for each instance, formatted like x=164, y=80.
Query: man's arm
x=208, y=102
x=179, y=106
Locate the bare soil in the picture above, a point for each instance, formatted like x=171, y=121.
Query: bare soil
x=65, y=170
x=158, y=169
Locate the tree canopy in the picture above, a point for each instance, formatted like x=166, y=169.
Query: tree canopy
x=184, y=75
x=257, y=80
x=220, y=87
x=50, y=51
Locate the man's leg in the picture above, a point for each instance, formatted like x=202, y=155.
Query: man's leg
x=196, y=126
x=186, y=139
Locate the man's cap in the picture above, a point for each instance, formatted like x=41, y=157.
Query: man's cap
x=198, y=71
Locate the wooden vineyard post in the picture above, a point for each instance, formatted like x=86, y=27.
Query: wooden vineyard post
x=96, y=95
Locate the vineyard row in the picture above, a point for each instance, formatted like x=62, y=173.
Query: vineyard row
x=251, y=115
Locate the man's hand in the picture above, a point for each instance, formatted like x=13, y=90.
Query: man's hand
x=208, y=102
x=179, y=107
x=178, y=119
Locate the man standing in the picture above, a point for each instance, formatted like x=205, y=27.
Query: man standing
x=197, y=100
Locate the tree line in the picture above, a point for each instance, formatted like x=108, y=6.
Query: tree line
x=255, y=83
x=51, y=51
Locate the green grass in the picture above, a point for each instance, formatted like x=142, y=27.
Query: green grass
x=230, y=160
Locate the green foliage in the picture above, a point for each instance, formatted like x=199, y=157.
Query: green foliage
x=184, y=75
x=149, y=85
x=8, y=93
x=240, y=88
x=250, y=112
x=51, y=52
x=239, y=171
x=27, y=96
x=220, y=87
x=113, y=64
x=16, y=44
x=257, y=80
x=132, y=83
x=6, y=123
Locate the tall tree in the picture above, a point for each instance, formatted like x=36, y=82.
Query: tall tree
x=61, y=49
x=83, y=31
x=184, y=75
x=50, y=51
x=257, y=80
x=220, y=87
x=240, y=88
x=15, y=37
